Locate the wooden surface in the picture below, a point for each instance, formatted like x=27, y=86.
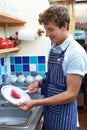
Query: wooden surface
x=10, y=20
x=14, y=49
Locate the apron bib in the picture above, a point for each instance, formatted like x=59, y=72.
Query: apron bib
x=58, y=117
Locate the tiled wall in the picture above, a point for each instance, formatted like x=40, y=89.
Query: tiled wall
x=28, y=65
x=3, y=70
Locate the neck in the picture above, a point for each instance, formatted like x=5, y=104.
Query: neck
x=62, y=40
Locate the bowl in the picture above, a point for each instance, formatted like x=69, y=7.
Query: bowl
x=13, y=78
x=38, y=77
x=21, y=78
x=29, y=79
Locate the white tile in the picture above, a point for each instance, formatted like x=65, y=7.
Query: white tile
x=32, y=67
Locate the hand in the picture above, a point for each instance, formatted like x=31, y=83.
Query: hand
x=33, y=88
x=26, y=105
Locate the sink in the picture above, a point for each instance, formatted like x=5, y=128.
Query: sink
x=14, y=117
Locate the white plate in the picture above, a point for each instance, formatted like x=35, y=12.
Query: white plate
x=6, y=92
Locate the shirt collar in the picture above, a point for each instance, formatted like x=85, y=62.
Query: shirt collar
x=66, y=43
x=63, y=46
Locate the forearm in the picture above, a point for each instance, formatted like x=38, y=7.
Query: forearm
x=73, y=86
x=56, y=100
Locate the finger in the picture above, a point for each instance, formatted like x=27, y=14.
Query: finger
x=23, y=108
x=19, y=104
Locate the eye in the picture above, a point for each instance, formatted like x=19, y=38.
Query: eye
x=50, y=29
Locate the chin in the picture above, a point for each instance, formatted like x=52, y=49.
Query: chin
x=52, y=41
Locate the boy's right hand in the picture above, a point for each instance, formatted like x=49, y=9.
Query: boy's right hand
x=33, y=88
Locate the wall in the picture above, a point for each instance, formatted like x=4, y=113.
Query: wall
x=30, y=14
x=29, y=11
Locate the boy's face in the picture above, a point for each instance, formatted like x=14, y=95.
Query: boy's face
x=57, y=35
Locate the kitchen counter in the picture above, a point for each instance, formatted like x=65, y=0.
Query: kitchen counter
x=34, y=118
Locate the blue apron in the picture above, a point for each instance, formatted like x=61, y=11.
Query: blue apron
x=58, y=117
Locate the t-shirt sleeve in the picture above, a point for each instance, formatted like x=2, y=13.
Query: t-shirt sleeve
x=77, y=64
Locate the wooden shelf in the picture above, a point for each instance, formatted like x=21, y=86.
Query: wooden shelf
x=10, y=20
x=14, y=49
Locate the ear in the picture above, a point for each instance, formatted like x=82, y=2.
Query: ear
x=65, y=25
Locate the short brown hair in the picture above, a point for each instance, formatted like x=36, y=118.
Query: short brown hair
x=57, y=14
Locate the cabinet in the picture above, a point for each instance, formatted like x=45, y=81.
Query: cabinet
x=10, y=21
